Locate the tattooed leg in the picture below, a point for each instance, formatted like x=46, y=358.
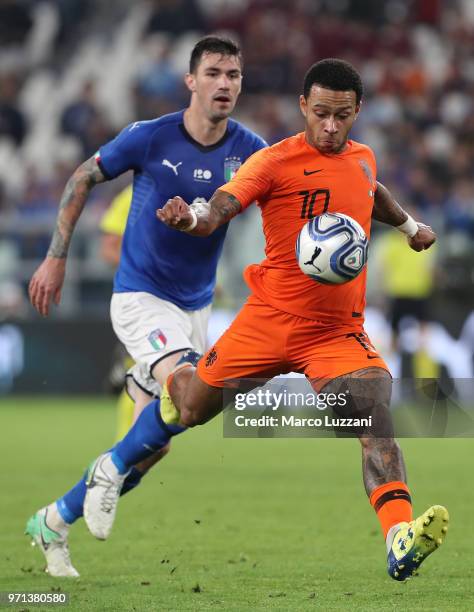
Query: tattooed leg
x=382, y=461
x=368, y=392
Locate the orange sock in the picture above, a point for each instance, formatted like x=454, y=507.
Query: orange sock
x=392, y=503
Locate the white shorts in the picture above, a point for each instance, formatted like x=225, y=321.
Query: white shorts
x=151, y=328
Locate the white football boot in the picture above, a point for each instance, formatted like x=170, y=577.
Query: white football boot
x=49, y=532
x=104, y=484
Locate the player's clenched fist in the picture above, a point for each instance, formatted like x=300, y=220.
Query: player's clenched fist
x=176, y=213
x=423, y=238
x=46, y=284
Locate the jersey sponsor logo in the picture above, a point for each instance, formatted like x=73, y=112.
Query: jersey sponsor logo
x=231, y=165
x=157, y=339
x=204, y=176
x=173, y=167
x=308, y=172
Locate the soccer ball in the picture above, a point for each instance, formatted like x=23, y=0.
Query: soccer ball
x=332, y=248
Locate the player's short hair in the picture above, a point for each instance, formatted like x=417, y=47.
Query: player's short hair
x=213, y=44
x=335, y=74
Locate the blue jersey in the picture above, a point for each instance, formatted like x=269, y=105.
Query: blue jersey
x=168, y=162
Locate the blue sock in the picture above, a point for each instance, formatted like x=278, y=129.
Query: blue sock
x=148, y=434
x=70, y=506
x=133, y=480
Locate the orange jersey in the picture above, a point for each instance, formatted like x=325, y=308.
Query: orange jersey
x=293, y=182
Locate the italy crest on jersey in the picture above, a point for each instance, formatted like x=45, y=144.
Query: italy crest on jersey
x=231, y=165
x=157, y=339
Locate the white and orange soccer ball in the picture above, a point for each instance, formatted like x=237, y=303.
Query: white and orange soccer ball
x=332, y=248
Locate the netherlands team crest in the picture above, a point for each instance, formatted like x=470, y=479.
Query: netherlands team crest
x=157, y=339
x=231, y=165
x=370, y=177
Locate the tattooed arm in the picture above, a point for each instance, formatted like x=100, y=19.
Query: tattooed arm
x=47, y=281
x=388, y=210
x=199, y=219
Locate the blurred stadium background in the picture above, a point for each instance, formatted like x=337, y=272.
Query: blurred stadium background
x=229, y=524
x=74, y=72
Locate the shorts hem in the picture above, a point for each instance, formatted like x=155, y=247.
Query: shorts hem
x=328, y=379
x=140, y=386
x=152, y=365
x=218, y=384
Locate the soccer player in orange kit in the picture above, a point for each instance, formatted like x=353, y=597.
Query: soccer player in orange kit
x=292, y=323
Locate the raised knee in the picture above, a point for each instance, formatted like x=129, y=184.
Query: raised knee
x=190, y=418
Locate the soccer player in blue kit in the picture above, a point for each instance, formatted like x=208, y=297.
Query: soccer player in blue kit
x=165, y=281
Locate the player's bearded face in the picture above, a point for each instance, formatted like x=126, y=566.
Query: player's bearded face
x=216, y=84
x=329, y=117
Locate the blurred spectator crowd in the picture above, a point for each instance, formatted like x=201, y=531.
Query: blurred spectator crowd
x=74, y=72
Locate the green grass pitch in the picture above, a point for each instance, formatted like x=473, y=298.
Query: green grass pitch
x=226, y=524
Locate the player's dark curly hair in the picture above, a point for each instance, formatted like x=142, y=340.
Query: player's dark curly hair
x=213, y=44
x=335, y=74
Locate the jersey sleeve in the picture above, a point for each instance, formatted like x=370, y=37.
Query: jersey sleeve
x=253, y=179
x=127, y=151
x=115, y=217
x=258, y=143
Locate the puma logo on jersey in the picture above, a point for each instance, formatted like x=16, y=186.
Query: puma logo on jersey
x=135, y=125
x=173, y=167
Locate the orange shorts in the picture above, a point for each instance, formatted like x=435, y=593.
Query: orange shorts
x=263, y=342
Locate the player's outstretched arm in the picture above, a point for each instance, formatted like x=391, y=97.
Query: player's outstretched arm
x=200, y=219
x=47, y=281
x=388, y=210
